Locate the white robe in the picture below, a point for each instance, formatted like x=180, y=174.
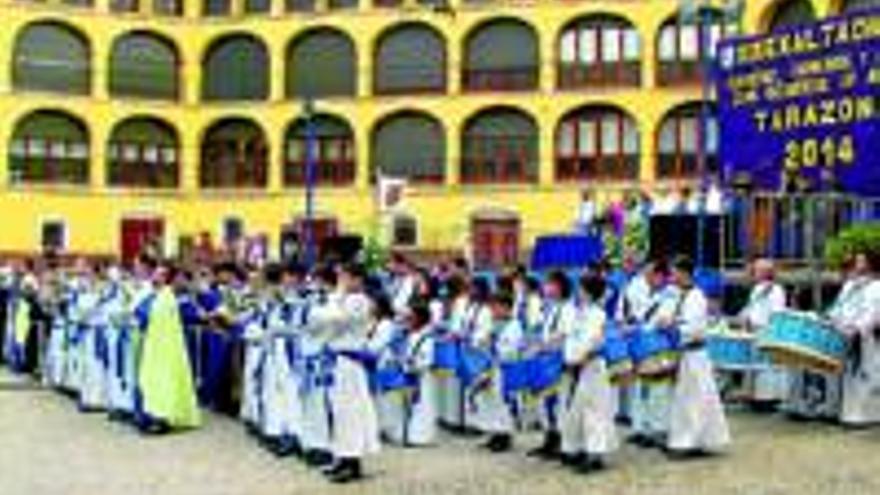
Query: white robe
x=355, y=429
x=388, y=406
x=491, y=413
x=315, y=406
x=420, y=412
x=771, y=383
x=696, y=416
x=559, y=321
x=93, y=377
x=860, y=387
x=651, y=397
x=587, y=399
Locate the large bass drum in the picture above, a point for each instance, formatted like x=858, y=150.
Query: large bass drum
x=804, y=340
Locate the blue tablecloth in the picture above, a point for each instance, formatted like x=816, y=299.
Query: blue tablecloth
x=566, y=251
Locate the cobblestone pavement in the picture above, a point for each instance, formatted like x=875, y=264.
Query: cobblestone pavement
x=46, y=447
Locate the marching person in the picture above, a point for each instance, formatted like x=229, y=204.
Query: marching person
x=856, y=313
x=697, y=424
x=419, y=416
x=767, y=297
x=493, y=412
x=355, y=425
x=587, y=402
x=651, y=394
x=558, y=321
x=385, y=342
x=166, y=394
x=313, y=386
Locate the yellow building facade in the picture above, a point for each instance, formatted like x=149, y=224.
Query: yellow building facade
x=91, y=207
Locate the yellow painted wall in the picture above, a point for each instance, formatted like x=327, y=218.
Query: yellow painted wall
x=93, y=213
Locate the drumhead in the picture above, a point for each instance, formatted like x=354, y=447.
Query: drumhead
x=802, y=358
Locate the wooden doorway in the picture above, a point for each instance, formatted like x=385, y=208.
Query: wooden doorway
x=495, y=240
x=293, y=236
x=139, y=235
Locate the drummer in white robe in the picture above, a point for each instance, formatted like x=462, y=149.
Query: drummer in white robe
x=449, y=387
x=587, y=398
x=857, y=315
x=493, y=415
x=697, y=424
x=559, y=320
x=382, y=343
x=650, y=407
x=355, y=425
x=634, y=301
x=316, y=416
x=418, y=414
x=771, y=384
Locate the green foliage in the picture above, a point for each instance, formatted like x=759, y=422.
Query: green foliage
x=375, y=254
x=864, y=237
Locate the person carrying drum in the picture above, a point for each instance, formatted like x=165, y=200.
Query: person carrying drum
x=766, y=387
x=697, y=424
x=650, y=404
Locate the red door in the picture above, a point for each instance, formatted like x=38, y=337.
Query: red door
x=495, y=242
x=139, y=235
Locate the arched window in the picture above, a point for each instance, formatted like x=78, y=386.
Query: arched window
x=858, y=5
x=300, y=5
x=49, y=147
x=686, y=136
x=332, y=147
x=234, y=155
x=342, y=4
x=216, y=8
x=124, y=6
x=500, y=146
x=597, y=143
x=410, y=145
x=321, y=63
x=599, y=50
x=501, y=55
x=789, y=13
x=144, y=65
x=52, y=57
x=410, y=59
x=143, y=152
x=683, y=46
x=171, y=8
x=257, y=6
x=236, y=68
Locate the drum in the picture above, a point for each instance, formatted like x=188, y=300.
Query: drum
x=514, y=378
x=654, y=353
x=474, y=364
x=804, y=340
x=446, y=356
x=615, y=351
x=545, y=372
x=733, y=351
x=391, y=379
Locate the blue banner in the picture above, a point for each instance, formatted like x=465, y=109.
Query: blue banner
x=802, y=106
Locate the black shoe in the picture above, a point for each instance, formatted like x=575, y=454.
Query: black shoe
x=287, y=446
x=637, y=439
x=550, y=449
x=318, y=458
x=348, y=472
x=591, y=464
x=573, y=460
x=499, y=443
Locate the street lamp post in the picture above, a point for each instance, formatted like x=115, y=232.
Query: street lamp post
x=702, y=17
x=310, y=169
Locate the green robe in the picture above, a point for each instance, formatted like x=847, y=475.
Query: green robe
x=164, y=375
